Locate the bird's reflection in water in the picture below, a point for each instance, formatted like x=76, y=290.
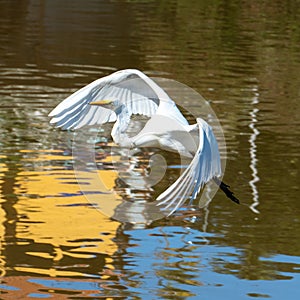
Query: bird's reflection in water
x=142, y=174
x=124, y=183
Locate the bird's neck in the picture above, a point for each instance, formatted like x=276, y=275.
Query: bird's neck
x=118, y=132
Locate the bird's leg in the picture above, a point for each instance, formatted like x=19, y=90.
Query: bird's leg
x=225, y=188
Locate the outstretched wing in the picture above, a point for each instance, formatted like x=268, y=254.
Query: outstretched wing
x=204, y=166
x=133, y=88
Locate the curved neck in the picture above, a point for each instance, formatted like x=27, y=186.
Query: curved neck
x=118, y=132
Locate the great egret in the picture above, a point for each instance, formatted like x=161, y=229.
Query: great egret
x=116, y=97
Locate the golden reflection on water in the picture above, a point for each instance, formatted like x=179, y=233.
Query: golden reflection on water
x=2, y=218
x=52, y=210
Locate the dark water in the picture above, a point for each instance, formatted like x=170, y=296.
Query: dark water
x=242, y=56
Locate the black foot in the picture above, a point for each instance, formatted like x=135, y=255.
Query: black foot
x=225, y=188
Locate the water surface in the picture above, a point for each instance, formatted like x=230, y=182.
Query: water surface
x=242, y=56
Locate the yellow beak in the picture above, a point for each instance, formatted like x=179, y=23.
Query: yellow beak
x=100, y=102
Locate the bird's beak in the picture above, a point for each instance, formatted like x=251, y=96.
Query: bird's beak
x=101, y=102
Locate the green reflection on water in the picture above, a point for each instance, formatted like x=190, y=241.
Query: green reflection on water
x=243, y=56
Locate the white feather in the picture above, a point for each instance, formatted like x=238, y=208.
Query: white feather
x=204, y=166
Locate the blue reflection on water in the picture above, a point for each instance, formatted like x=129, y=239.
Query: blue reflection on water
x=196, y=266
x=8, y=287
x=37, y=295
x=281, y=258
x=67, y=285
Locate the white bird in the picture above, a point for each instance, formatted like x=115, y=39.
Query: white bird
x=116, y=97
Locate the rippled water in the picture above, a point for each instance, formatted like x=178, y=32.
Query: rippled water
x=242, y=56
